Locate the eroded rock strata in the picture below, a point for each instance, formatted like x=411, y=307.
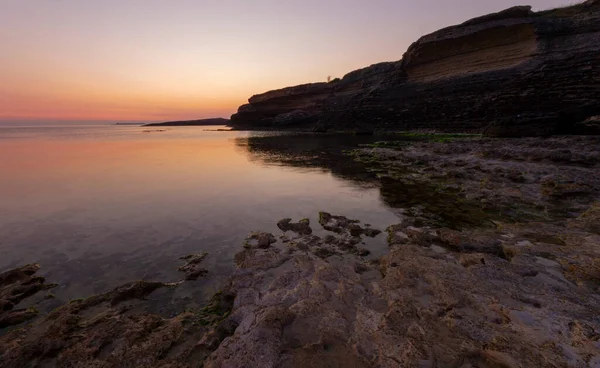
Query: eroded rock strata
x=512, y=73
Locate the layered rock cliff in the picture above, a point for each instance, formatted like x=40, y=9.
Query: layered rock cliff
x=510, y=73
x=305, y=104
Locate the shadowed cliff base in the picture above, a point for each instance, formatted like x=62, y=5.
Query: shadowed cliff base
x=512, y=73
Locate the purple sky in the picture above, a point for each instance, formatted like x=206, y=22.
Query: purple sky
x=168, y=59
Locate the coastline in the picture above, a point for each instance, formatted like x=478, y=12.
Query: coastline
x=483, y=141
x=493, y=262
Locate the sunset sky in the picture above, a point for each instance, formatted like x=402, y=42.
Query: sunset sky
x=156, y=60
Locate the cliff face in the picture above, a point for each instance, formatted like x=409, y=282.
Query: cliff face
x=305, y=104
x=511, y=73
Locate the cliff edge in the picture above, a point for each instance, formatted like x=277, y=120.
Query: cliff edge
x=511, y=73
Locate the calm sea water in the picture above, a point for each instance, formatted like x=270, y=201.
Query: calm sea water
x=98, y=206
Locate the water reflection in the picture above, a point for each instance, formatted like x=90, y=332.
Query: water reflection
x=100, y=206
x=325, y=152
x=398, y=190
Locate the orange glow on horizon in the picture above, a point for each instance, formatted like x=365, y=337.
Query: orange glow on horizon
x=78, y=105
x=155, y=60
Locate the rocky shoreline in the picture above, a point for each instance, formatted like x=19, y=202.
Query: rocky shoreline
x=494, y=262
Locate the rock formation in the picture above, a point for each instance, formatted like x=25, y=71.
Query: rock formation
x=15, y=286
x=440, y=298
x=512, y=73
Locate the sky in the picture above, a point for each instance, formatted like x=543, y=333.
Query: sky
x=157, y=60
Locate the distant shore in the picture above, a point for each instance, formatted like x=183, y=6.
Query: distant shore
x=199, y=122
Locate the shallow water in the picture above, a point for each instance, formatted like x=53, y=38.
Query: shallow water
x=98, y=206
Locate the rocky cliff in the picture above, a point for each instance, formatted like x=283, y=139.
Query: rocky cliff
x=511, y=73
x=305, y=104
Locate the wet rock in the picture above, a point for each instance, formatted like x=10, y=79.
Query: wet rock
x=396, y=235
x=421, y=235
x=192, y=268
x=360, y=268
x=362, y=252
x=103, y=330
x=463, y=243
x=344, y=225
x=337, y=224
x=468, y=260
x=301, y=246
x=302, y=227
x=324, y=252
x=330, y=239
x=18, y=316
x=17, y=285
x=114, y=329
x=451, y=238
x=217, y=308
x=259, y=240
x=371, y=233
x=324, y=306
x=132, y=290
x=355, y=230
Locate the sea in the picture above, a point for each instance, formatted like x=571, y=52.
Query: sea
x=101, y=205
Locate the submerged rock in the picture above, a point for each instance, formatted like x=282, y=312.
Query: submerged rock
x=114, y=329
x=344, y=225
x=302, y=227
x=15, y=286
x=259, y=240
x=192, y=268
